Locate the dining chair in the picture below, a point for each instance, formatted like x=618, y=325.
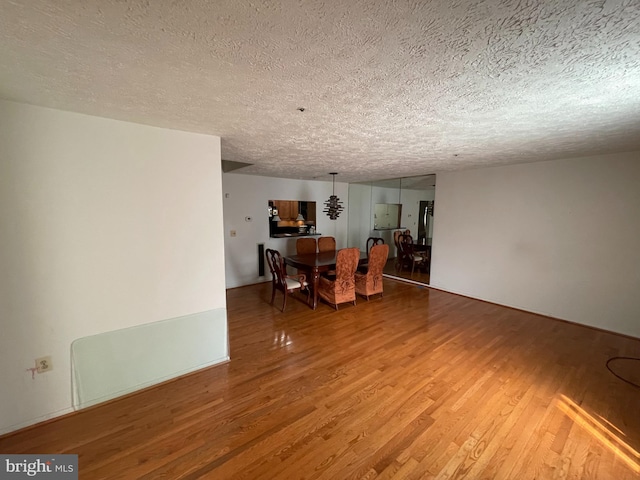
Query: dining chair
x=342, y=288
x=326, y=244
x=371, y=241
x=370, y=283
x=396, y=236
x=396, y=241
x=407, y=254
x=283, y=282
x=305, y=245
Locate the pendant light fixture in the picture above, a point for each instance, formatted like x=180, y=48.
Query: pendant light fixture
x=333, y=206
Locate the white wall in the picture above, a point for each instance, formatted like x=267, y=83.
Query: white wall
x=104, y=225
x=559, y=238
x=360, y=215
x=248, y=196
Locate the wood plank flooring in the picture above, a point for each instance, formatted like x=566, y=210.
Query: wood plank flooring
x=417, y=384
x=417, y=276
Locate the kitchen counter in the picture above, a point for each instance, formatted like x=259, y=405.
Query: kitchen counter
x=287, y=235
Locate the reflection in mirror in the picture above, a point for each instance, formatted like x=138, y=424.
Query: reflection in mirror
x=415, y=197
x=288, y=218
x=387, y=216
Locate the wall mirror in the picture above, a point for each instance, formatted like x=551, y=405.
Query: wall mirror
x=372, y=214
x=288, y=218
x=387, y=216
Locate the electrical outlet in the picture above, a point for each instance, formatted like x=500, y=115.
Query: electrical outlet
x=44, y=364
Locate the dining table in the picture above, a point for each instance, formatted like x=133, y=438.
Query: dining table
x=315, y=264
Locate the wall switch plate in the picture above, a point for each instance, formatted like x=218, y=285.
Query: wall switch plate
x=44, y=364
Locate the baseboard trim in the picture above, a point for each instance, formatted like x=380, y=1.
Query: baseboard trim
x=539, y=314
x=551, y=317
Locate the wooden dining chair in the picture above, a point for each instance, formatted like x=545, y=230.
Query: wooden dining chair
x=404, y=254
x=370, y=283
x=396, y=236
x=283, y=282
x=305, y=245
x=342, y=288
x=396, y=241
x=371, y=241
x=326, y=244
x=408, y=256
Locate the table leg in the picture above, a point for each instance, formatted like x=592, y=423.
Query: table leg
x=316, y=281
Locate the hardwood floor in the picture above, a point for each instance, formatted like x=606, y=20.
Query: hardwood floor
x=417, y=384
x=417, y=276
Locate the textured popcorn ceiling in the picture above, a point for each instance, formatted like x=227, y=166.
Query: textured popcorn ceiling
x=390, y=88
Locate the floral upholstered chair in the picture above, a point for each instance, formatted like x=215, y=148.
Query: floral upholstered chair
x=371, y=241
x=342, y=287
x=370, y=283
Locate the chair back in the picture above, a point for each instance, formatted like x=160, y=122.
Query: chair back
x=346, y=265
x=305, y=245
x=371, y=241
x=371, y=283
x=327, y=244
x=405, y=244
x=396, y=238
x=378, y=259
x=277, y=267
